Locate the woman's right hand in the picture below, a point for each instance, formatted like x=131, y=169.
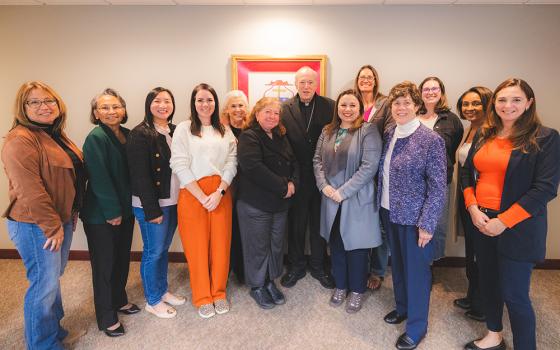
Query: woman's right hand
x=115, y=222
x=55, y=241
x=157, y=220
x=328, y=191
x=212, y=201
x=479, y=219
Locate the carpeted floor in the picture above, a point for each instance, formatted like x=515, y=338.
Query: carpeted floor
x=306, y=321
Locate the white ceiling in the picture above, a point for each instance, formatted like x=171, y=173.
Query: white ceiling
x=274, y=2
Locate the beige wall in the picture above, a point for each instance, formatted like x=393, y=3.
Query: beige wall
x=81, y=50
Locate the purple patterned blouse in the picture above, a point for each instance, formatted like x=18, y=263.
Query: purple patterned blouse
x=418, y=185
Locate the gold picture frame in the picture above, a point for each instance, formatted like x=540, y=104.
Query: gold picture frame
x=258, y=75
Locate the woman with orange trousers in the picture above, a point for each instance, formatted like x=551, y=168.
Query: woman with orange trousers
x=204, y=157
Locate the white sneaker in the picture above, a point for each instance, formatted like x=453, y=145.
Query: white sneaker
x=221, y=306
x=206, y=311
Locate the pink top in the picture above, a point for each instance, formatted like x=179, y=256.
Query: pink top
x=368, y=113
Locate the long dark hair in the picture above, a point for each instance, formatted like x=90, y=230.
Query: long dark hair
x=524, y=131
x=148, y=116
x=196, y=124
x=334, y=125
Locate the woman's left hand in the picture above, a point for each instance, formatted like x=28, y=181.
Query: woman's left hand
x=424, y=237
x=213, y=200
x=54, y=242
x=494, y=227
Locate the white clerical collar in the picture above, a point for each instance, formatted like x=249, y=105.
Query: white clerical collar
x=407, y=129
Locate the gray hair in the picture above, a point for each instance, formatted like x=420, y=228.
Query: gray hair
x=110, y=92
x=236, y=94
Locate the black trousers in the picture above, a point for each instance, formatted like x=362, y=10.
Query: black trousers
x=506, y=281
x=236, y=252
x=473, y=292
x=262, y=235
x=306, y=210
x=349, y=267
x=109, y=250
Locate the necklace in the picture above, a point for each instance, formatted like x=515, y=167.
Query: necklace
x=310, y=117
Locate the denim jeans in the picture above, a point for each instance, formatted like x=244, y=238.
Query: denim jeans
x=157, y=239
x=42, y=308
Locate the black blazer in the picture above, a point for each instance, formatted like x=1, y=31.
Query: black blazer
x=265, y=167
x=304, y=141
x=150, y=174
x=450, y=128
x=531, y=181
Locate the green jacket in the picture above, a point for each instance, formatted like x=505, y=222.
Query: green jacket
x=108, y=191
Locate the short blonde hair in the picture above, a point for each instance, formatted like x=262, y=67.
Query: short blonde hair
x=20, y=115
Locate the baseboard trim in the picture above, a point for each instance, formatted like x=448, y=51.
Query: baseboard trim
x=178, y=257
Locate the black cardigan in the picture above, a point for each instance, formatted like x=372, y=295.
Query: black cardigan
x=531, y=181
x=150, y=174
x=265, y=167
x=450, y=128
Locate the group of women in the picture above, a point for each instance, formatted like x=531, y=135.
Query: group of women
x=384, y=166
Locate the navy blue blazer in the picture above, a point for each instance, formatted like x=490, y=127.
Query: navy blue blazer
x=531, y=181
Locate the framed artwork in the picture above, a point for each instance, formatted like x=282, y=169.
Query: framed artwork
x=259, y=76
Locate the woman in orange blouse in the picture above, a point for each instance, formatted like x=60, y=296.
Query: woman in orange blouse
x=512, y=172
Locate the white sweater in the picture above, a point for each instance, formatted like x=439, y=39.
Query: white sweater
x=401, y=131
x=193, y=157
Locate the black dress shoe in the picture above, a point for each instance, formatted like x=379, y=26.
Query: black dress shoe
x=405, y=343
x=276, y=295
x=394, y=318
x=472, y=346
x=115, y=332
x=263, y=299
x=290, y=278
x=325, y=278
x=130, y=311
x=463, y=303
x=475, y=315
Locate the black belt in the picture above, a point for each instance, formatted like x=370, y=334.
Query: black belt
x=488, y=211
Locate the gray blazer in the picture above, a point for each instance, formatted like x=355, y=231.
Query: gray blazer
x=350, y=170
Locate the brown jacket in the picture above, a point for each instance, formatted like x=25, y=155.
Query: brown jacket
x=41, y=178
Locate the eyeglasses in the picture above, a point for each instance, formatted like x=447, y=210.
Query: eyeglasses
x=107, y=109
x=366, y=77
x=432, y=89
x=36, y=104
